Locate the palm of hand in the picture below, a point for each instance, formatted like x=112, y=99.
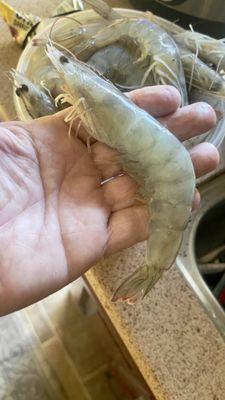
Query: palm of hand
x=53, y=219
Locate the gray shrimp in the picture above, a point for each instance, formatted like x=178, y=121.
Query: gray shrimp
x=149, y=153
x=70, y=36
x=37, y=101
x=199, y=74
x=155, y=45
x=116, y=63
x=210, y=50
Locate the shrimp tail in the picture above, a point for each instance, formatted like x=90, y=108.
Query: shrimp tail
x=138, y=284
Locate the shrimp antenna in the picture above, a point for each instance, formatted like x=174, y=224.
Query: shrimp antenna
x=195, y=59
x=9, y=75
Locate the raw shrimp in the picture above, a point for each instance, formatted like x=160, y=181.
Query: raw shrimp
x=210, y=50
x=76, y=35
x=155, y=45
x=199, y=74
x=148, y=152
x=72, y=36
x=37, y=101
x=116, y=63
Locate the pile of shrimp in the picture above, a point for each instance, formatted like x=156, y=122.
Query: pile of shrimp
x=131, y=53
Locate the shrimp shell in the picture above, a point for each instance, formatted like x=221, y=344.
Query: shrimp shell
x=148, y=152
x=199, y=74
x=71, y=36
x=116, y=63
x=210, y=50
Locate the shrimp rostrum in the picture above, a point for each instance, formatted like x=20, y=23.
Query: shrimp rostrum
x=149, y=153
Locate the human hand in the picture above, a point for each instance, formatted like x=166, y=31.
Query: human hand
x=56, y=219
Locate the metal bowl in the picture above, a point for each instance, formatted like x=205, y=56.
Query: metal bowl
x=212, y=194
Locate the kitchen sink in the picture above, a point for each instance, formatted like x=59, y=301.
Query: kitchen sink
x=205, y=232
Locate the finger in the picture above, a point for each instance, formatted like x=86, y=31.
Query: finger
x=106, y=160
x=127, y=227
x=205, y=158
x=157, y=100
x=120, y=192
x=191, y=120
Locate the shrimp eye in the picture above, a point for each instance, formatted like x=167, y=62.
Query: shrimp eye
x=24, y=88
x=21, y=89
x=63, y=59
x=18, y=91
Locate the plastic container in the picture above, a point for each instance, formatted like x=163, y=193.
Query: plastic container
x=33, y=59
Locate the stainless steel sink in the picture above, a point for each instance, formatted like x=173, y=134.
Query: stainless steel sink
x=213, y=198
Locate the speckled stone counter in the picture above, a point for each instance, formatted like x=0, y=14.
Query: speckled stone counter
x=174, y=344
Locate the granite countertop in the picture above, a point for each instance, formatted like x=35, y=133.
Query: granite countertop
x=174, y=344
